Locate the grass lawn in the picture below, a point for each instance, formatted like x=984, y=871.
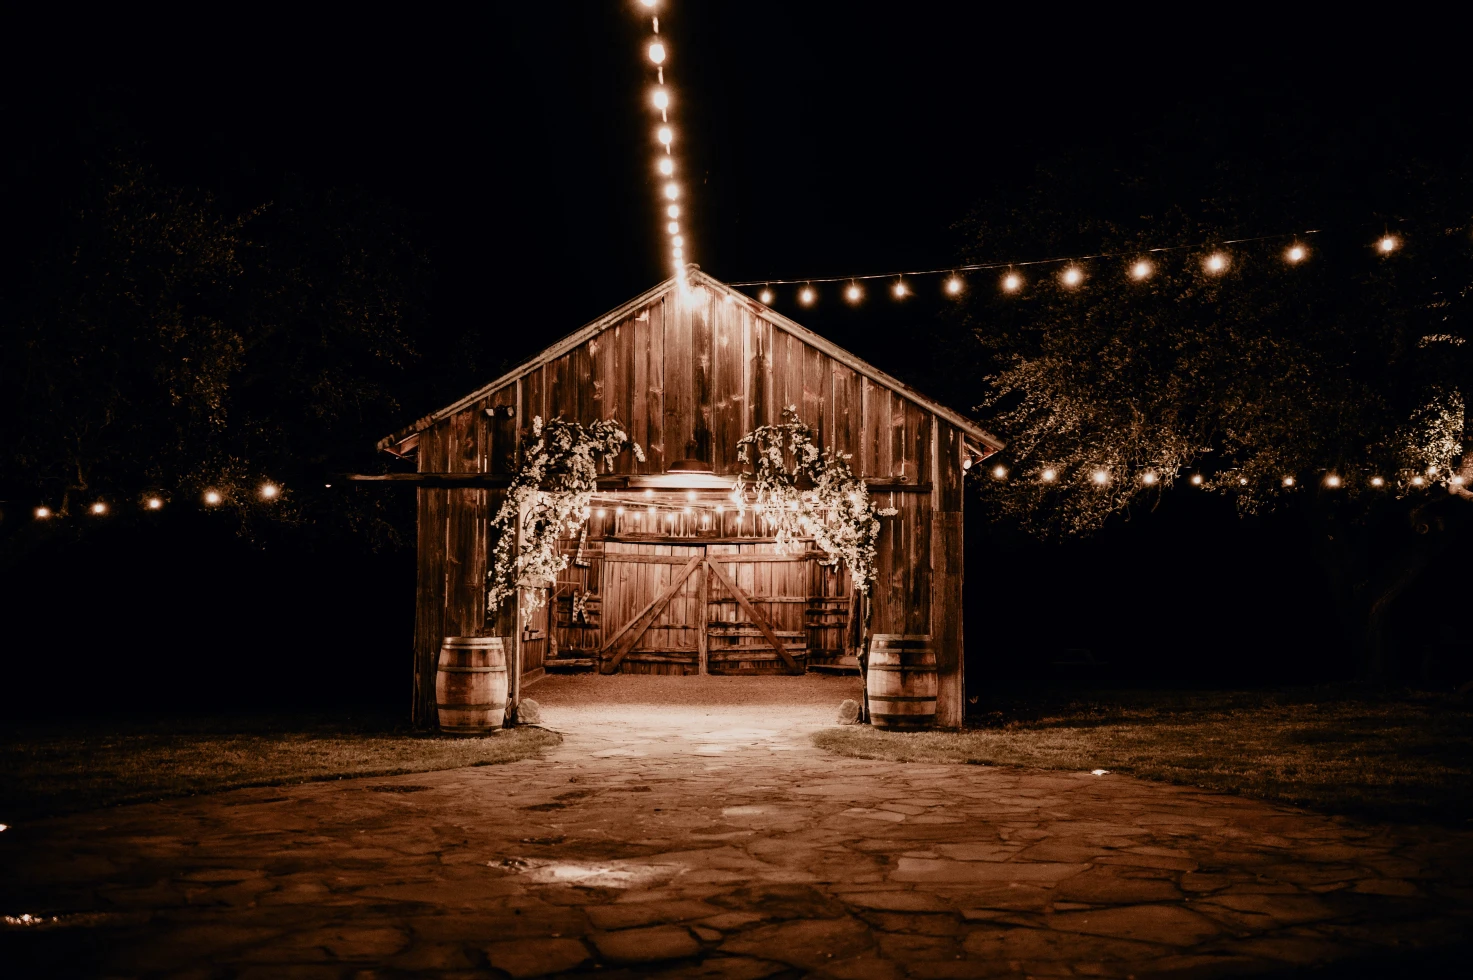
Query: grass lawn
x=1399, y=756
x=52, y=770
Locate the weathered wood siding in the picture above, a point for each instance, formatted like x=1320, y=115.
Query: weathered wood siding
x=688, y=376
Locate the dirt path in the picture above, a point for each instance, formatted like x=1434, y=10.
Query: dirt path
x=671, y=836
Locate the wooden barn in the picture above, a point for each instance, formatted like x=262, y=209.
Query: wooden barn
x=663, y=578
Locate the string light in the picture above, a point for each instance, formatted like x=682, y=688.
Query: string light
x=854, y=294
x=1417, y=481
x=649, y=493
x=1048, y=476
x=657, y=53
x=1140, y=270
x=1296, y=253
x=666, y=166
x=1288, y=481
x=1332, y=481
x=673, y=211
x=153, y=503
x=954, y=286
x=1387, y=244
x=1012, y=282
x=1100, y=477
x=999, y=472
x=42, y=513
x=618, y=511
x=1215, y=263
x=1072, y=276
x=212, y=497
x=765, y=296
x=901, y=290
x=1242, y=481
x=806, y=296
x=1148, y=479
x=661, y=98
x=720, y=509
x=1377, y=481
x=1196, y=479
x=99, y=508
x=269, y=491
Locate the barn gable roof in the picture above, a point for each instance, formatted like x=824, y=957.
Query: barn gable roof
x=695, y=277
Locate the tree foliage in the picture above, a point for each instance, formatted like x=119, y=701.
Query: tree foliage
x=165, y=346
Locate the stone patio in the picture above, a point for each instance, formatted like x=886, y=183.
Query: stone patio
x=712, y=840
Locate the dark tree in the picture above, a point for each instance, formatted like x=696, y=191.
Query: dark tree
x=164, y=347
x=1335, y=384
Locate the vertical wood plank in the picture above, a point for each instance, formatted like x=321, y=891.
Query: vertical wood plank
x=728, y=379
x=947, y=634
x=655, y=390
x=702, y=305
x=845, y=408
x=818, y=382
x=680, y=407
x=501, y=446
x=592, y=403
x=562, y=388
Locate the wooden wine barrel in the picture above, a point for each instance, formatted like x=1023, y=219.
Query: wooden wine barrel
x=470, y=688
x=900, y=682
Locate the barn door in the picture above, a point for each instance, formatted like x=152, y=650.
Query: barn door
x=756, y=601
x=653, y=608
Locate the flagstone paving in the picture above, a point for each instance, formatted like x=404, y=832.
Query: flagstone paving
x=708, y=840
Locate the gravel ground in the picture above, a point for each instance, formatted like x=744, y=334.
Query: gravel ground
x=579, y=690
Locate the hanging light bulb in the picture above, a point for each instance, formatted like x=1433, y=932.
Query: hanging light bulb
x=1377, y=481
x=42, y=513
x=673, y=228
x=806, y=295
x=1049, y=475
x=1296, y=253
x=665, y=134
x=600, y=513
x=854, y=294
x=99, y=508
x=661, y=98
x=967, y=464
x=212, y=497
x=1148, y=478
x=1140, y=270
x=901, y=290
x=720, y=509
x=1072, y=276
x=666, y=166
x=673, y=211
x=1332, y=481
x=672, y=191
x=1387, y=244
x=1215, y=263
x=269, y=491
x=954, y=286
x=999, y=472
x=1417, y=481
x=649, y=493
x=153, y=503
x=657, y=52
x=1288, y=481
x=619, y=511
x=1100, y=477
x=765, y=296
x=680, y=240
x=1196, y=479
x=1242, y=481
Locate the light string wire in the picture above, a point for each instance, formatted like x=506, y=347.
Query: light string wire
x=657, y=51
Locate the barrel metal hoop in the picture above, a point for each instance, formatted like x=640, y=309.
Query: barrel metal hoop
x=906, y=668
x=900, y=697
x=472, y=670
x=469, y=707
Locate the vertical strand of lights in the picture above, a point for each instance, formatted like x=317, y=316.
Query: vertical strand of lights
x=669, y=196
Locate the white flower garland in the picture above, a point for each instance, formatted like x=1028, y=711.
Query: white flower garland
x=553, y=488
x=836, y=512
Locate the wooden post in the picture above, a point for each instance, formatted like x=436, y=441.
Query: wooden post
x=702, y=650
x=864, y=658
x=514, y=667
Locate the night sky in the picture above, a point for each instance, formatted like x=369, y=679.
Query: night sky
x=825, y=138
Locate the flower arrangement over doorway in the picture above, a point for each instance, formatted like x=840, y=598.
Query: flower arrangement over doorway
x=551, y=493
x=818, y=498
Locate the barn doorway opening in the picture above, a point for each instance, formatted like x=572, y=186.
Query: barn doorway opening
x=679, y=582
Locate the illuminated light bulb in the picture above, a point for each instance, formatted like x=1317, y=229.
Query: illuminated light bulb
x=1100, y=477
x=649, y=493
x=1048, y=476
x=805, y=296
x=1417, y=481
x=1387, y=244
x=1148, y=478
x=1140, y=270
x=661, y=99
x=672, y=191
x=652, y=511
x=1296, y=253
x=680, y=240
x=953, y=286
x=1456, y=481
x=99, y=508
x=673, y=227
x=765, y=296
x=600, y=512
x=999, y=473
x=756, y=508
x=42, y=513
x=153, y=503
x=1377, y=481
x=720, y=509
x=853, y=294
x=901, y=290
x=1196, y=479
x=1216, y=262
x=657, y=52
x=665, y=135
x=1288, y=481
x=684, y=510
x=1243, y=481
x=1072, y=276
x=677, y=251
x=1332, y=480
x=673, y=211
x=1012, y=282
x=967, y=463
x=269, y=491
x=690, y=495
x=1431, y=471
x=619, y=511
x=212, y=497
x=648, y=3
x=666, y=166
